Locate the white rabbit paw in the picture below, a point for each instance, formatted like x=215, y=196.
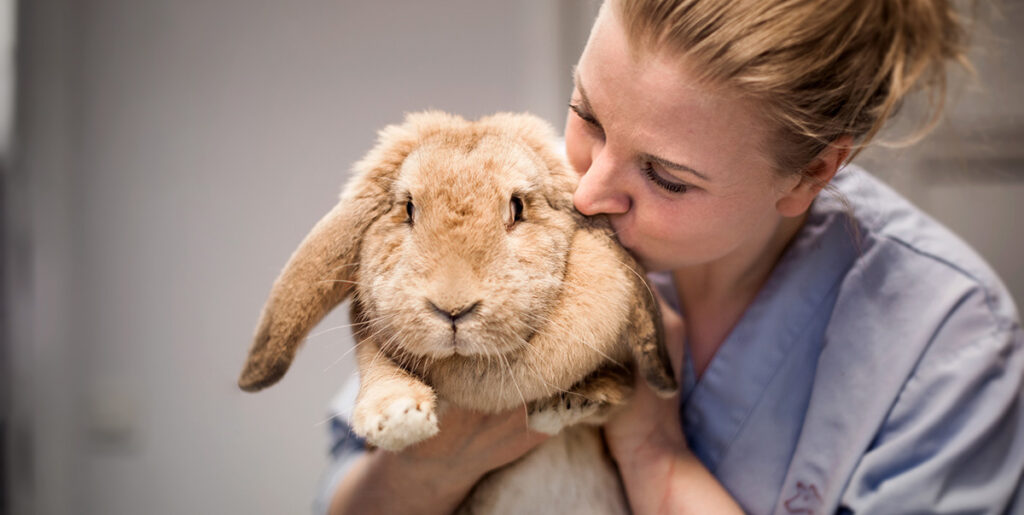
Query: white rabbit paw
x=550, y=415
x=396, y=422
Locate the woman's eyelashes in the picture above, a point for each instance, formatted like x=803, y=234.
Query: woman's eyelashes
x=661, y=182
x=585, y=116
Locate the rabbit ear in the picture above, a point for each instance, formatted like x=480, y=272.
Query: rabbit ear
x=648, y=343
x=323, y=270
x=317, y=277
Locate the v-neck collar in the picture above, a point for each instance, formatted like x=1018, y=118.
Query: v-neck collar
x=789, y=305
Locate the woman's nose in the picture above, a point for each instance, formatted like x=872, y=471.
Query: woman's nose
x=600, y=189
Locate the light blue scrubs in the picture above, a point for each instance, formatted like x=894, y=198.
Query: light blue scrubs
x=879, y=370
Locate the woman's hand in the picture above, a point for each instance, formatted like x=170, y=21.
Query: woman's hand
x=649, y=425
x=469, y=444
x=434, y=475
x=646, y=440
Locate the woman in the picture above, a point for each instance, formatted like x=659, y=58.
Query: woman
x=842, y=351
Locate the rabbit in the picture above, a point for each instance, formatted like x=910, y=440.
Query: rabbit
x=474, y=281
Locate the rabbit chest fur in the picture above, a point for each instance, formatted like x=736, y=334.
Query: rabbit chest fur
x=474, y=281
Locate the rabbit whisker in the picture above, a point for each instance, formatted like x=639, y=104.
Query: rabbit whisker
x=340, y=358
x=512, y=376
x=357, y=343
x=567, y=334
x=642, y=280
x=334, y=270
x=384, y=327
x=354, y=324
x=336, y=415
x=343, y=265
x=396, y=342
x=338, y=270
x=539, y=377
x=326, y=420
x=346, y=281
x=381, y=347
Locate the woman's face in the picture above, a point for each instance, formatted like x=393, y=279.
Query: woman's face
x=679, y=167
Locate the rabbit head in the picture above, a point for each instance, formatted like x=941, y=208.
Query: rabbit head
x=476, y=237
x=454, y=238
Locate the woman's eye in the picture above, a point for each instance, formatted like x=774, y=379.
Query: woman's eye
x=661, y=182
x=585, y=116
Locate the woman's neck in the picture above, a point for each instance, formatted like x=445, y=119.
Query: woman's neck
x=714, y=296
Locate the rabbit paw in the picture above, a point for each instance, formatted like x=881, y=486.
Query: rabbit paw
x=396, y=422
x=550, y=415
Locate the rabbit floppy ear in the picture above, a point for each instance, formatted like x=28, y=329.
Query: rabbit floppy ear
x=315, y=280
x=648, y=337
x=323, y=270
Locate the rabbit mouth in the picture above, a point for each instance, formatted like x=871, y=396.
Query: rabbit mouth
x=472, y=339
x=468, y=343
x=463, y=347
x=421, y=331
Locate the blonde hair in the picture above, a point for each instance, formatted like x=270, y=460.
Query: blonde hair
x=822, y=68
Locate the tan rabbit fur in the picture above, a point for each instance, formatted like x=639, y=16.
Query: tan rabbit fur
x=475, y=281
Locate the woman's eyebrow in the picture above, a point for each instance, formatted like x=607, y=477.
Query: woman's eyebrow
x=647, y=157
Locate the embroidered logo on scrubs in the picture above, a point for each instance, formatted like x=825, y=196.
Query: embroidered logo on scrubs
x=806, y=500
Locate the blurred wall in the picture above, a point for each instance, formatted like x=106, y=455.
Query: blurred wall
x=173, y=153
x=969, y=172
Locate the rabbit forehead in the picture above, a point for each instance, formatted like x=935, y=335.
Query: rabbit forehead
x=489, y=163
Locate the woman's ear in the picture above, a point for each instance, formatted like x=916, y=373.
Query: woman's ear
x=797, y=200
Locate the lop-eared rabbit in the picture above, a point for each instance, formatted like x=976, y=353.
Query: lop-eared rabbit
x=474, y=281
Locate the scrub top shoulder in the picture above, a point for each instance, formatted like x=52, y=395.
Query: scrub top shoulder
x=879, y=368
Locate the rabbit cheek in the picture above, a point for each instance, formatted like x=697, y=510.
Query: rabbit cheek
x=382, y=288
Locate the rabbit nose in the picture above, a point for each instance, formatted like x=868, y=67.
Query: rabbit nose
x=454, y=314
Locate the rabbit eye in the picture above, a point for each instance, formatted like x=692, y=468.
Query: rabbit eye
x=409, y=211
x=515, y=210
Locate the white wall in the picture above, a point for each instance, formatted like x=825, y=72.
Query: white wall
x=174, y=153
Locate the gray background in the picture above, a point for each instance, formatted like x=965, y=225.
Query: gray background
x=168, y=157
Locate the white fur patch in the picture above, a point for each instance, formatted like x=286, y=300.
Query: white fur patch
x=396, y=424
x=569, y=474
x=552, y=418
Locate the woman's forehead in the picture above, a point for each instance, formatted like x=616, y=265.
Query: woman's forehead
x=654, y=100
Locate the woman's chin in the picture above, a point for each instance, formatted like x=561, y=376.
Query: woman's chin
x=650, y=264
